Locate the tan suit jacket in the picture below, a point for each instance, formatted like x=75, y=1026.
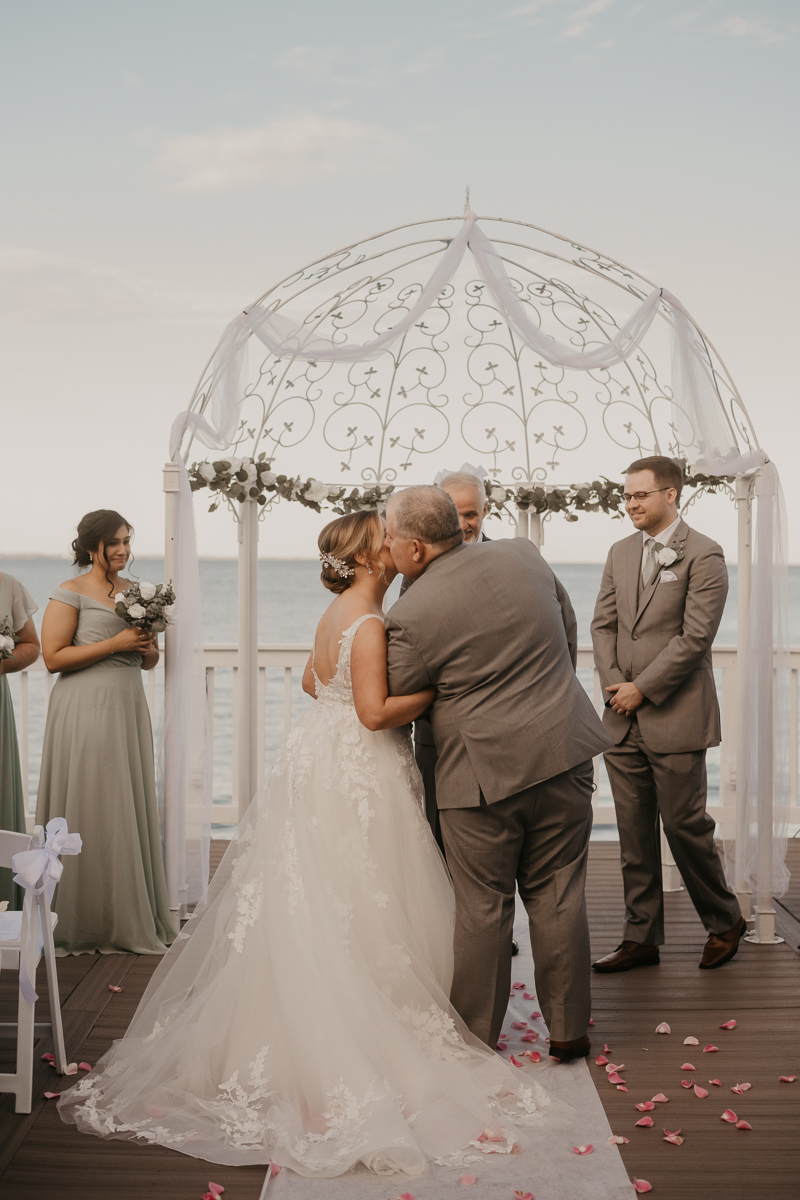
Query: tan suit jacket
x=492, y=629
x=659, y=637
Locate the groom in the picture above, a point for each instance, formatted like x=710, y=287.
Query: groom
x=490, y=627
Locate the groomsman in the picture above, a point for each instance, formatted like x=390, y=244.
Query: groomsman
x=469, y=496
x=658, y=611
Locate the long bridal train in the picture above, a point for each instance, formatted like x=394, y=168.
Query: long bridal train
x=303, y=1015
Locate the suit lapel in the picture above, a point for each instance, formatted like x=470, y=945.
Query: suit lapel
x=648, y=592
x=633, y=568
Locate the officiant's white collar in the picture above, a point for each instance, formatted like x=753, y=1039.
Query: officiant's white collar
x=662, y=538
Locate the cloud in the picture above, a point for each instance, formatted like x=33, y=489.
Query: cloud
x=581, y=19
x=286, y=150
x=758, y=30
x=50, y=287
x=320, y=65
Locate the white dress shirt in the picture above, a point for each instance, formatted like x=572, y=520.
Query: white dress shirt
x=662, y=538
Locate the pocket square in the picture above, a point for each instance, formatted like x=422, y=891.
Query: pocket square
x=667, y=577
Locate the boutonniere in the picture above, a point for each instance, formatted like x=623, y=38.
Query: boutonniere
x=667, y=555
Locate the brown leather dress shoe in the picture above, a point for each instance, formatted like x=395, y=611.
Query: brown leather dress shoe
x=627, y=956
x=567, y=1051
x=721, y=947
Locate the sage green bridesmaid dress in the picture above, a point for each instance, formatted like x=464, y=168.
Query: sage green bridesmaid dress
x=98, y=773
x=16, y=606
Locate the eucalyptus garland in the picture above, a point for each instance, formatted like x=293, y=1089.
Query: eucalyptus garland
x=236, y=479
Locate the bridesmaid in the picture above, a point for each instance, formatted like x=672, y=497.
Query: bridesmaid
x=97, y=758
x=16, y=607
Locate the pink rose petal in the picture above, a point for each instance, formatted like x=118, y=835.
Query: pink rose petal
x=606, y=1049
x=660, y=1099
x=519, y=1024
x=530, y=1036
x=743, y=1125
x=84, y=1067
x=646, y=1106
x=405, y=1196
x=51, y=1095
x=730, y=1116
x=691, y=1041
x=536, y=1016
x=616, y=1140
x=601, y=1060
x=710, y=1049
x=71, y=1069
x=216, y=1189
x=663, y=1028
x=741, y=1088
x=728, y=1025
x=112, y=987
x=672, y=1132
x=523, y=1195
x=48, y=1058
x=641, y=1185
x=674, y=1139
x=700, y=1092
x=591, y=1020
x=532, y=1055
x=528, y=996
x=274, y=1168
x=645, y=1121
x=685, y=1083
x=787, y=1078
x=615, y=1077
x=614, y=1067
x=583, y=1149
x=621, y=1087
x=518, y=987
x=514, y=1062
x=467, y=1179
x=687, y=1067
x=716, y=1082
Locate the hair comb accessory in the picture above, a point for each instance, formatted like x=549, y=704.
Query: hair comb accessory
x=339, y=566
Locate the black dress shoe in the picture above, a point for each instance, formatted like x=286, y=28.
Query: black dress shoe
x=514, y=948
x=627, y=956
x=721, y=947
x=567, y=1051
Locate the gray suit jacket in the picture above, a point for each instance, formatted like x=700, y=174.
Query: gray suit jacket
x=492, y=629
x=660, y=638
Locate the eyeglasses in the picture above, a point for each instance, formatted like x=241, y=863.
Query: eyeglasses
x=638, y=496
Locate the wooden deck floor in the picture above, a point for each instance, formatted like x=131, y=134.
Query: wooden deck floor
x=41, y=1158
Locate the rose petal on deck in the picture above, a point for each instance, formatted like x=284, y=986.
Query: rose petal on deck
x=710, y=1049
x=660, y=1099
x=113, y=987
x=519, y=1024
x=518, y=987
x=663, y=1028
x=533, y=1055
x=274, y=1168
x=646, y=1106
x=641, y=1185
x=501, y=1046
x=405, y=1196
x=591, y=1020
x=617, y=1140
x=216, y=1189
x=71, y=1069
x=743, y=1125
x=615, y=1077
x=741, y=1088
x=621, y=1087
x=691, y=1041
x=48, y=1058
x=601, y=1060
x=730, y=1116
x=536, y=1016
x=787, y=1078
x=728, y=1025
x=700, y=1092
x=674, y=1138
x=514, y=1061
x=523, y=1195
x=467, y=1179
x=685, y=1083
x=528, y=996
x=583, y=1149
x=716, y=1082
x=530, y=1036
x=84, y=1067
x=646, y=1122
x=51, y=1095
x=611, y=1067
x=605, y=1048
x=688, y=1067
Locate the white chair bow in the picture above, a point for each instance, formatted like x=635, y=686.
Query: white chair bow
x=36, y=869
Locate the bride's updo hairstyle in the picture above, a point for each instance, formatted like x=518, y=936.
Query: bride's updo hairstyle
x=340, y=542
x=96, y=529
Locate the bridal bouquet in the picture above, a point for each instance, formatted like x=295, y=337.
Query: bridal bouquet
x=7, y=642
x=147, y=606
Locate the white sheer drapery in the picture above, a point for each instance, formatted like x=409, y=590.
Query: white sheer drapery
x=703, y=427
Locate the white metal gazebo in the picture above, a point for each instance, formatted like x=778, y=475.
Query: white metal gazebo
x=525, y=351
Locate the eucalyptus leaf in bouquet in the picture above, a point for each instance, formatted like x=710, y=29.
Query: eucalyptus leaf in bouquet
x=147, y=606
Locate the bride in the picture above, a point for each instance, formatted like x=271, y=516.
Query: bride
x=303, y=1015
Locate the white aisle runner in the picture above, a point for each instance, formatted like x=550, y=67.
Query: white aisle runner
x=549, y=1170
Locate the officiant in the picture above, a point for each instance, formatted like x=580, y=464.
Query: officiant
x=467, y=491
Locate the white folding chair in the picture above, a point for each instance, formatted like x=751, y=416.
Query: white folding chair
x=20, y=948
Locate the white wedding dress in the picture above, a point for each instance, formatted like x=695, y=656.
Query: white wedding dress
x=303, y=1014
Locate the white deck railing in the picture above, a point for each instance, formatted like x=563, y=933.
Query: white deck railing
x=273, y=702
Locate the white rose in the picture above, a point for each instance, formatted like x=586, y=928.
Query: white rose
x=119, y=598
x=666, y=557
x=498, y=494
x=136, y=612
x=252, y=473
x=317, y=491
x=207, y=471
x=268, y=478
x=147, y=590
x=9, y=644
x=234, y=464
x=168, y=610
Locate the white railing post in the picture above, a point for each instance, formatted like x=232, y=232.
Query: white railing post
x=743, y=575
x=247, y=723
x=529, y=525
x=173, y=814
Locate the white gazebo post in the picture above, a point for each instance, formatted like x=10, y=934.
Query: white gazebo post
x=529, y=525
x=174, y=834
x=743, y=576
x=247, y=659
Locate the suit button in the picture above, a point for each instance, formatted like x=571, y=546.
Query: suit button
x=634, y=637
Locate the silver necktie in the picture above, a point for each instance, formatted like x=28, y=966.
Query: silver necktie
x=648, y=560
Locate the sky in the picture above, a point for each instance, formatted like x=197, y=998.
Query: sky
x=164, y=163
